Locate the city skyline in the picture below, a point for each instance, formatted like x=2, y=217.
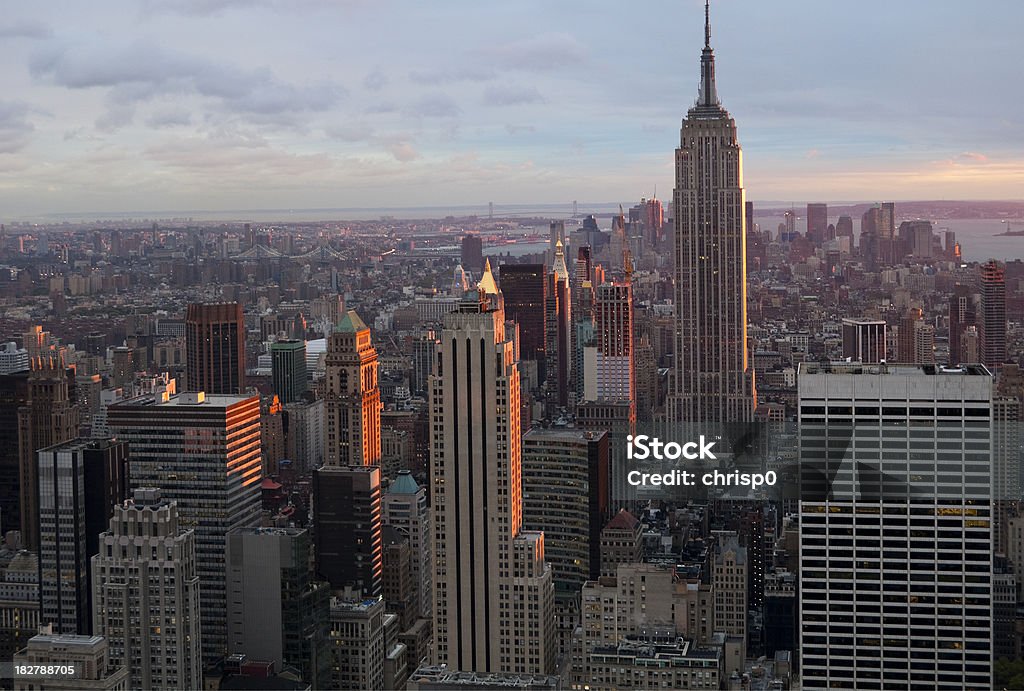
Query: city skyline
x=250, y=106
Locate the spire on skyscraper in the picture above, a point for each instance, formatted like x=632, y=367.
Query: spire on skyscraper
x=560, y=268
x=708, y=96
x=487, y=283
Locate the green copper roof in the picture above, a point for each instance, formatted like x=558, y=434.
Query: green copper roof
x=404, y=484
x=351, y=323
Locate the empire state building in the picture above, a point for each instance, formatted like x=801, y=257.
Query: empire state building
x=712, y=382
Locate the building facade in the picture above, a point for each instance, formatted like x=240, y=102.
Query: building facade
x=146, y=594
x=712, y=381
x=895, y=526
x=204, y=453
x=215, y=348
x=493, y=592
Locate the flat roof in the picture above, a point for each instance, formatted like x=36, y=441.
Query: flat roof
x=897, y=369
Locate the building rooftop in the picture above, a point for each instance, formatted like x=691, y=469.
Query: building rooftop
x=404, y=484
x=893, y=369
x=351, y=323
x=623, y=520
x=476, y=680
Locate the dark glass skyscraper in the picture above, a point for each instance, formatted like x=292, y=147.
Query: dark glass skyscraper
x=288, y=363
x=525, y=289
x=215, y=348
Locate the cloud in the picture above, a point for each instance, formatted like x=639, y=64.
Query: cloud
x=437, y=105
x=27, y=29
x=519, y=129
x=375, y=81
x=213, y=7
x=462, y=74
x=512, y=95
x=972, y=157
x=403, y=151
x=542, y=53
x=115, y=117
x=239, y=154
x=169, y=118
x=350, y=132
x=141, y=71
x=15, y=127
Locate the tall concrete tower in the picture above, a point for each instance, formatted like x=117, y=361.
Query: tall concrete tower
x=712, y=381
x=482, y=555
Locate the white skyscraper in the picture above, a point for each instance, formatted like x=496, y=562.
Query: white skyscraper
x=895, y=526
x=146, y=594
x=493, y=591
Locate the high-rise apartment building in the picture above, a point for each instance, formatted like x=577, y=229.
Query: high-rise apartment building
x=351, y=395
x=493, y=591
x=277, y=611
x=525, y=288
x=215, y=348
x=48, y=417
x=712, y=381
x=895, y=526
x=729, y=584
x=202, y=451
x=80, y=484
x=864, y=340
x=146, y=594
x=405, y=508
x=992, y=317
x=961, y=317
x=609, y=366
x=288, y=369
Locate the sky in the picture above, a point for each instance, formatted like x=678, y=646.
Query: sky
x=273, y=104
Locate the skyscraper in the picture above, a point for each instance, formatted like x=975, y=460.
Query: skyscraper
x=277, y=611
x=525, y=288
x=961, y=316
x=817, y=222
x=48, y=417
x=895, y=526
x=288, y=367
x=992, y=320
x=558, y=344
x=347, y=521
x=712, y=381
x=405, y=508
x=80, y=484
x=565, y=496
x=352, y=396
x=493, y=591
x=472, y=253
x=215, y=348
x=146, y=594
x=864, y=340
x=202, y=451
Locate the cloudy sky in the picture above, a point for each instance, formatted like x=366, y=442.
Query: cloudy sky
x=256, y=104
